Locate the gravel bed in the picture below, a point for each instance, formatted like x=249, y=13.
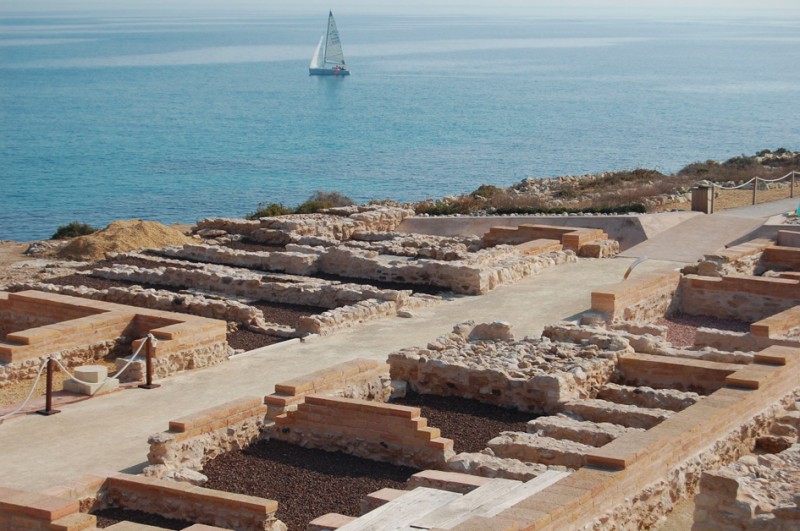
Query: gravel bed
x=112, y=515
x=306, y=482
x=249, y=245
x=286, y=314
x=247, y=340
x=682, y=327
x=140, y=262
x=416, y=288
x=102, y=283
x=468, y=422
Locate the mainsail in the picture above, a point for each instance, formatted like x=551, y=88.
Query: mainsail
x=333, y=46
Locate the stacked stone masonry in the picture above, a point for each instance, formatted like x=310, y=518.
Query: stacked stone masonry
x=372, y=430
x=83, y=331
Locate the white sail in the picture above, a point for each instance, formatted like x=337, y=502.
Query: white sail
x=333, y=46
x=318, y=58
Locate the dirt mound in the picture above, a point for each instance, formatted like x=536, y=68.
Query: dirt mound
x=123, y=236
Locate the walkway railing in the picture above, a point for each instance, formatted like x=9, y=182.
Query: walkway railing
x=791, y=176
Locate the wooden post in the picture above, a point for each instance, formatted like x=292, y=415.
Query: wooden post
x=48, y=401
x=149, y=367
x=755, y=187
x=791, y=188
x=713, y=187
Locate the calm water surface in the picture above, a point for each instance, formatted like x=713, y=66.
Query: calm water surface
x=175, y=120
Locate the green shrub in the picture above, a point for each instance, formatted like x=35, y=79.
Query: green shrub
x=321, y=200
x=269, y=211
x=72, y=230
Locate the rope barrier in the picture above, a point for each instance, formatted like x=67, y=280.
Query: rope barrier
x=30, y=393
x=756, y=179
x=118, y=373
x=63, y=368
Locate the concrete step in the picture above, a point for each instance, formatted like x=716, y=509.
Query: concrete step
x=373, y=500
x=399, y=513
x=648, y=397
x=581, y=431
x=329, y=522
x=625, y=415
x=467, y=506
x=452, y=481
x=537, y=449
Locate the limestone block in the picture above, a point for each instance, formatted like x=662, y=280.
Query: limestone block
x=625, y=415
x=91, y=373
x=91, y=389
x=497, y=330
x=589, y=433
x=538, y=449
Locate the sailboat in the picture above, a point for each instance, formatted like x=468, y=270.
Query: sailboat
x=328, y=59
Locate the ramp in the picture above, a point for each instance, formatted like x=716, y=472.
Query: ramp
x=699, y=235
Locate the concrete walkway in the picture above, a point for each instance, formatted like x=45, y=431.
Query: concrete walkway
x=764, y=210
x=690, y=240
x=109, y=433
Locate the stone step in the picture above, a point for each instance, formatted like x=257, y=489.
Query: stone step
x=581, y=431
x=399, y=513
x=452, y=481
x=647, y=397
x=537, y=449
x=131, y=526
x=597, y=410
x=373, y=500
x=329, y=522
x=466, y=506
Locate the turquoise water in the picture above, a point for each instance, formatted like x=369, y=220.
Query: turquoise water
x=176, y=119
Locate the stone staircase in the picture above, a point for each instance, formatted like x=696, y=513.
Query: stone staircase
x=426, y=508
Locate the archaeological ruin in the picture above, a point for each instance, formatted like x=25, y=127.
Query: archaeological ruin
x=677, y=384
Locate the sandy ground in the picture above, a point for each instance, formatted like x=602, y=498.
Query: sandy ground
x=15, y=266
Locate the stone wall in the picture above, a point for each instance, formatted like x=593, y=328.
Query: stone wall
x=634, y=480
x=743, y=298
x=184, y=501
x=755, y=492
x=644, y=297
x=335, y=224
x=195, y=439
x=185, y=342
x=191, y=303
x=372, y=430
x=485, y=363
x=744, y=258
x=244, y=283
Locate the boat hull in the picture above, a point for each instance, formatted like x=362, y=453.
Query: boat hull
x=327, y=72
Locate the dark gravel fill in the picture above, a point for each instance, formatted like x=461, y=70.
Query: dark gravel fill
x=468, y=422
x=286, y=314
x=682, y=327
x=416, y=288
x=247, y=340
x=249, y=245
x=101, y=283
x=112, y=515
x=307, y=483
x=140, y=262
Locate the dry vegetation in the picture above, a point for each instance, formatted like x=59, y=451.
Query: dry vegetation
x=639, y=190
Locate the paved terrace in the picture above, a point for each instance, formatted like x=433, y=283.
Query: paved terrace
x=109, y=433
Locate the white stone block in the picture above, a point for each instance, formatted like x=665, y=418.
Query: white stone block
x=91, y=373
x=91, y=389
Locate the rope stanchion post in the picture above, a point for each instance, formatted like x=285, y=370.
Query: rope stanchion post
x=149, y=365
x=713, y=188
x=791, y=188
x=48, y=401
x=755, y=187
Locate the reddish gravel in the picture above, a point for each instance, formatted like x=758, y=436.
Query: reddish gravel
x=307, y=483
x=682, y=328
x=112, y=515
x=247, y=340
x=286, y=314
x=100, y=283
x=468, y=422
x=139, y=262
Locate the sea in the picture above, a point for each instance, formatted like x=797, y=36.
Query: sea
x=176, y=118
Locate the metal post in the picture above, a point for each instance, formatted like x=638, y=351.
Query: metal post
x=149, y=367
x=48, y=401
x=755, y=186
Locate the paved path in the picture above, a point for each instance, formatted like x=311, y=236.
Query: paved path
x=690, y=240
x=763, y=210
x=109, y=433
